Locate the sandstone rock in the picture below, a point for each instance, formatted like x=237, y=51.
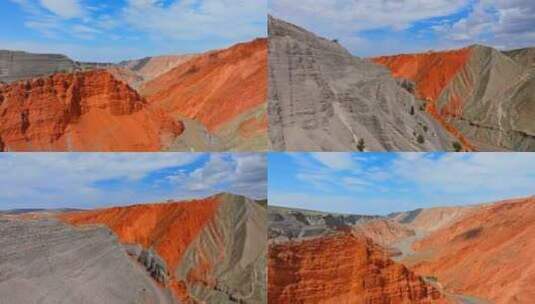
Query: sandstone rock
x=44, y=261
x=341, y=268
x=490, y=246
x=482, y=96
x=211, y=250
x=17, y=65
x=83, y=111
x=288, y=224
x=322, y=98
x=463, y=252
x=215, y=103
x=227, y=261
x=525, y=56
x=241, y=87
x=137, y=72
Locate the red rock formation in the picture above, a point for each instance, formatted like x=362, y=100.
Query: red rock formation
x=254, y=126
x=168, y=228
x=89, y=111
x=431, y=108
x=488, y=253
x=216, y=87
x=137, y=72
x=382, y=231
x=341, y=269
x=432, y=72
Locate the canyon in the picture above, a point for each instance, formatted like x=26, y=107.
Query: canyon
x=435, y=255
x=210, y=250
x=213, y=101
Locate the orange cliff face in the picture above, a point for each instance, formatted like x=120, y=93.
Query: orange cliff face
x=167, y=228
x=432, y=72
x=216, y=87
x=339, y=269
x=488, y=253
x=83, y=111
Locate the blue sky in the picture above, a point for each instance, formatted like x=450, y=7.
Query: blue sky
x=97, y=30
x=371, y=28
x=381, y=183
x=89, y=180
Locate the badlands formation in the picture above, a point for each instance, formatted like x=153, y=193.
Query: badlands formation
x=323, y=98
x=211, y=250
x=201, y=102
x=484, y=97
x=437, y=255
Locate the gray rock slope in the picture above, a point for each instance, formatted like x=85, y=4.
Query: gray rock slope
x=290, y=223
x=16, y=65
x=498, y=93
x=48, y=262
x=321, y=98
x=235, y=242
x=525, y=56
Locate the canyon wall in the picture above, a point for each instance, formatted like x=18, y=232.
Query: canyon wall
x=215, y=101
x=44, y=261
x=480, y=95
x=83, y=111
x=210, y=250
x=341, y=268
x=323, y=98
x=139, y=71
x=490, y=246
x=224, y=90
x=317, y=257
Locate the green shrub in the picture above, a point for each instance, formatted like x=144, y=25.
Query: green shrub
x=360, y=145
x=420, y=139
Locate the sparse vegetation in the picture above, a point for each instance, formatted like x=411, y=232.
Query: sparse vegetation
x=422, y=107
x=420, y=139
x=457, y=146
x=360, y=145
x=412, y=110
x=425, y=128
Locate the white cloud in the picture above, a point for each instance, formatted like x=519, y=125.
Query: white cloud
x=63, y=8
x=499, y=23
x=194, y=20
x=346, y=19
x=242, y=173
x=357, y=15
x=336, y=160
x=176, y=26
x=493, y=172
x=330, y=203
x=75, y=179
x=410, y=181
x=355, y=182
x=216, y=171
